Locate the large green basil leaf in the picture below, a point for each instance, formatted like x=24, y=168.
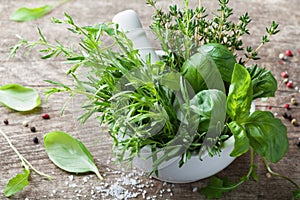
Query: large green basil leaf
x=69, y=153
x=223, y=58
x=19, y=98
x=241, y=141
x=240, y=94
x=267, y=135
x=263, y=82
x=210, y=105
x=202, y=72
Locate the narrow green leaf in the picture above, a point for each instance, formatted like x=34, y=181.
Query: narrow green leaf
x=16, y=183
x=241, y=141
x=240, y=94
x=26, y=14
x=267, y=135
x=18, y=97
x=69, y=153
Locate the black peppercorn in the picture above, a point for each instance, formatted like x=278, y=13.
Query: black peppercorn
x=6, y=122
x=33, y=129
x=35, y=140
x=298, y=144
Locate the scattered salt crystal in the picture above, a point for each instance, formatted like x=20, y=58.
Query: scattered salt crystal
x=71, y=177
x=195, y=189
x=169, y=190
x=73, y=185
x=85, y=179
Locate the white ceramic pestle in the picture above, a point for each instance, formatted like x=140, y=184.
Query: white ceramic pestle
x=130, y=23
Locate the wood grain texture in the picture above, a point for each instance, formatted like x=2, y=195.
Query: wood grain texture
x=26, y=68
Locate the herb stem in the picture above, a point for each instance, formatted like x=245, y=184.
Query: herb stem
x=60, y=3
x=279, y=175
x=25, y=162
x=14, y=148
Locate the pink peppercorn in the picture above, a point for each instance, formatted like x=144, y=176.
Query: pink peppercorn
x=289, y=84
x=288, y=53
x=269, y=107
x=45, y=116
x=284, y=74
x=287, y=106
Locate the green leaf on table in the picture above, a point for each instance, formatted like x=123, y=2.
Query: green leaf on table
x=263, y=82
x=18, y=97
x=240, y=94
x=267, y=135
x=16, y=183
x=217, y=187
x=241, y=141
x=69, y=153
x=26, y=14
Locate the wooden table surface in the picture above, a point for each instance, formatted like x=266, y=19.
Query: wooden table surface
x=29, y=70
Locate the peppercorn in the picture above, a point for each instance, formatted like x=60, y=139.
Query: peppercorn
x=282, y=56
x=33, y=129
x=25, y=123
x=269, y=107
x=284, y=74
x=289, y=84
x=294, y=122
x=6, y=122
x=288, y=53
x=45, y=116
x=287, y=106
x=286, y=80
x=298, y=144
x=293, y=101
x=35, y=140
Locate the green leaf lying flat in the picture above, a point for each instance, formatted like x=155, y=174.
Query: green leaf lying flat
x=16, y=183
x=69, y=153
x=27, y=14
x=18, y=97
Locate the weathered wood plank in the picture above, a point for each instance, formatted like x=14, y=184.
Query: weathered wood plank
x=30, y=70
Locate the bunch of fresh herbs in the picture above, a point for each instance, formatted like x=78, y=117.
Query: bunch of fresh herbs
x=200, y=86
